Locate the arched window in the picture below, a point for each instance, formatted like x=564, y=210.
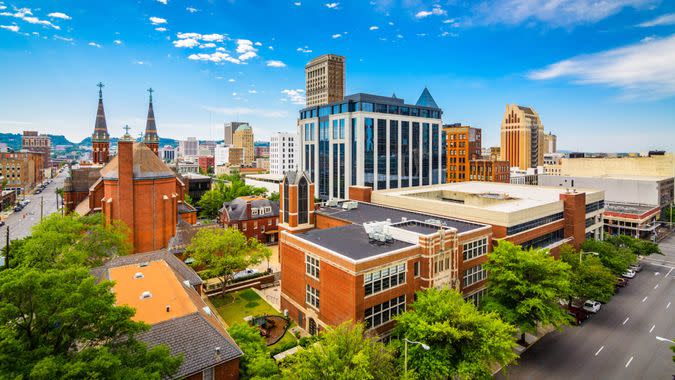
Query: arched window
x=303, y=204
x=286, y=196
x=312, y=326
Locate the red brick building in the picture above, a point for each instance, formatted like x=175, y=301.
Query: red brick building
x=206, y=162
x=256, y=217
x=100, y=139
x=22, y=170
x=31, y=141
x=150, y=137
x=464, y=161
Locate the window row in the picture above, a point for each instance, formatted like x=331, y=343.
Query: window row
x=370, y=107
x=312, y=266
x=474, y=274
x=533, y=223
x=383, y=279
x=384, y=312
x=474, y=249
x=312, y=296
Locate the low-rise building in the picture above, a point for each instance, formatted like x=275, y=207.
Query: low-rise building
x=76, y=185
x=22, y=170
x=528, y=176
x=182, y=167
x=262, y=163
x=268, y=181
x=197, y=185
x=31, y=141
x=205, y=163
x=256, y=217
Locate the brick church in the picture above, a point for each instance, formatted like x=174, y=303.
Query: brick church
x=135, y=186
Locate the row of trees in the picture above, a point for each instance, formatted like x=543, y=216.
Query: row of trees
x=56, y=321
x=225, y=189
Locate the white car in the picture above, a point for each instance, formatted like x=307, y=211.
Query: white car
x=592, y=306
x=629, y=273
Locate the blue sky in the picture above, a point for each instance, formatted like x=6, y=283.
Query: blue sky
x=601, y=74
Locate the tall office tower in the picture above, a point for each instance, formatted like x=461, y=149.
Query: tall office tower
x=550, y=143
x=325, y=80
x=522, y=137
x=374, y=141
x=284, y=152
x=230, y=127
x=243, y=138
x=188, y=148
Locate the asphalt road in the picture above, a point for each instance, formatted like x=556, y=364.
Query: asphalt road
x=620, y=341
x=20, y=223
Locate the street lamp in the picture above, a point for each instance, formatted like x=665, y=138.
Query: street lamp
x=661, y=339
x=405, y=355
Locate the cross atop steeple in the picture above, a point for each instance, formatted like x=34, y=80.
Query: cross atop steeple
x=126, y=129
x=100, y=86
x=150, y=90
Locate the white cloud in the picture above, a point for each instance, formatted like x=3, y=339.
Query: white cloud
x=165, y=2
x=553, y=12
x=234, y=94
x=216, y=57
x=189, y=35
x=295, y=96
x=157, y=20
x=248, y=55
x=399, y=36
x=208, y=45
x=275, y=63
x=234, y=111
x=297, y=3
x=12, y=28
x=2, y=7
x=306, y=49
x=161, y=29
x=245, y=49
x=332, y=5
x=231, y=80
x=139, y=63
x=645, y=70
x=220, y=48
x=117, y=42
x=258, y=44
x=94, y=44
x=214, y=37
x=67, y=39
x=186, y=43
x=191, y=9
x=271, y=47
x=667, y=19
x=374, y=27
x=60, y=15
x=252, y=91
x=422, y=14
x=436, y=10
x=391, y=23
x=26, y=15
x=337, y=35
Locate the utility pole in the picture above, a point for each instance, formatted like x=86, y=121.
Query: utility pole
x=7, y=250
x=42, y=203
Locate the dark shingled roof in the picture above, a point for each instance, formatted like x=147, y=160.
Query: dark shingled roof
x=194, y=337
x=236, y=210
x=351, y=241
x=293, y=177
x=180, y=267
x=184, y=234
x=146, y=165
x=81, y=179
x=368, y=212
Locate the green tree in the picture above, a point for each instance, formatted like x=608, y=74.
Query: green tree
x=342, y=353
x=464, y=341
x=525, y=286
x=188, y=199
x=58, y=323
x=210, y=202
x=638, y=246
x=589, y=279
x=226, y=189
x=256, y=362
x=274, y=196
x=60, y=241
x=616, y=259
x=224, y=252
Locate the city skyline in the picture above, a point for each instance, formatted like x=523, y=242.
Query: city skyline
x=224, y=61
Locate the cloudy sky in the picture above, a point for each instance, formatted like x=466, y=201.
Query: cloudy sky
x=600, y=73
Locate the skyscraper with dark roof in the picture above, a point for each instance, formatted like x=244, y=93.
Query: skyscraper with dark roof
x=150, y=138
x=100, y=139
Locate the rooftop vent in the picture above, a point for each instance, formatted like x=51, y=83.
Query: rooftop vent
x=332, y=203
x=350, y=205
x=404, y=219
x=146, y=294
x=207, y=310
x=138, y=275
x=186, y=283
x=168, y=308
x=217, y=350
x=144, y=264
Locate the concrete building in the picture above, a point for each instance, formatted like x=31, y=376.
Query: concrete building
x=284, y=152
x=529, y=176
x=167, y=295
x=168, y=153
x=196, y=185
x=261, y=149
x=229, y=129
x=207, y=148
x=243, y=138
x=465, y=159
x=31, y=141
x=228, y=155
x=256, y=217
x=522, y=137
x=22, y=170
x=375, y=141
x=269, y=182
x=262, y=163
x=183, y=167
x=188, y=148
x=550, y=143
x=655, y=166
x=325, y=80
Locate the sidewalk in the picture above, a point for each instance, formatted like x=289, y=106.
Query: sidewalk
x=531, y=340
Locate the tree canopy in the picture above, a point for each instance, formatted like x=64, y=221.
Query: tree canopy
x=58, y=323
x=256, y=362
x=464, y=341
x=590, y=279
x=615, y=258
x=225, y=251
x=226, y=189
x=344, y=352
x=525, y=287
x=638, y=246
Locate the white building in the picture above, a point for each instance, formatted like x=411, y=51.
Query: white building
x=167, y=153
x=284, y=152
x=188, y=148
x=375, y=141
x=222, y=154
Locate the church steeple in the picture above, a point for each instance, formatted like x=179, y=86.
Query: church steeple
x=151, y=139
x=100, y=139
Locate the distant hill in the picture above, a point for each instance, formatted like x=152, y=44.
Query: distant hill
x=13, y=140
x=162, y=141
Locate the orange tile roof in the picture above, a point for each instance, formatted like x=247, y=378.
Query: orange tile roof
x=163, y=285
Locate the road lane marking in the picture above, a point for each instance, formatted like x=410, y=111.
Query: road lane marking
x=596, y=354
x=644, y=299
x=656, y=286
x=668, y=274
x=652, y=329
x=629, y=360
x=624, y=322
x=667, y=306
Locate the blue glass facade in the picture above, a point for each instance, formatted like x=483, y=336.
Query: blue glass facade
x=381, y=154
x=425, y=153
x=405, y=154
x=434, y=154
x=353, y=152
x=342, y=171
x=368, y=152
x=415, y=177
x=393, y=154
x=323, y=159
x=351, y=106
x=336, y=162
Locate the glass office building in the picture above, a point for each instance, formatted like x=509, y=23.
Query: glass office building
x=375, y=141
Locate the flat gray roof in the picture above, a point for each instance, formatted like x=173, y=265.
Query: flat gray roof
x=627, y=208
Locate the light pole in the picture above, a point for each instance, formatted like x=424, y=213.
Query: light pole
x=661, y=339
x=405, y=353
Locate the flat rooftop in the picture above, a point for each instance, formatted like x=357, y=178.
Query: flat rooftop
x=627, y=208
x=368, y=212
x=156, y=277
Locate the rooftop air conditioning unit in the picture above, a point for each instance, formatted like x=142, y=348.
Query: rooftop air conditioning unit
x=146, y=294
x=138, y=275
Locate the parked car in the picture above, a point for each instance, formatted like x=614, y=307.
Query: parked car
x=637, y=267
x=2, y=223
x=18, y=208
x=38, y=191
x=629, y=273
x=245, y=273
x=621, y=282
x=592, y=306
x=579, y=314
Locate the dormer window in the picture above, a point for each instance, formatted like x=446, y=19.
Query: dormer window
x=138, y=275
x=146, y=294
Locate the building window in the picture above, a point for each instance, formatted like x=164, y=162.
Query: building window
x=393, y=154
x=416, y=269
x=476, y=297
x=369, y=152
x=303, y=197
x=381, y=154
x=474, y=274
x=312, y=296
x=533, y=223
x=207, y=374
x=312, y=266
x=474, y=249
x=383, y=279
x=380, y=314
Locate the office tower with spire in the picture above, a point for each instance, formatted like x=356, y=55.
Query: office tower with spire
x=150, y=138
x=325, y=80
x=100, y=139
x=375, y=141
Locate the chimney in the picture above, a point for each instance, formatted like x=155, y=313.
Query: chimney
x=248, y=210
x=125, y=162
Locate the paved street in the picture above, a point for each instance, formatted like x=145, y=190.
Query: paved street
x=620, y=341
x=20, y=223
